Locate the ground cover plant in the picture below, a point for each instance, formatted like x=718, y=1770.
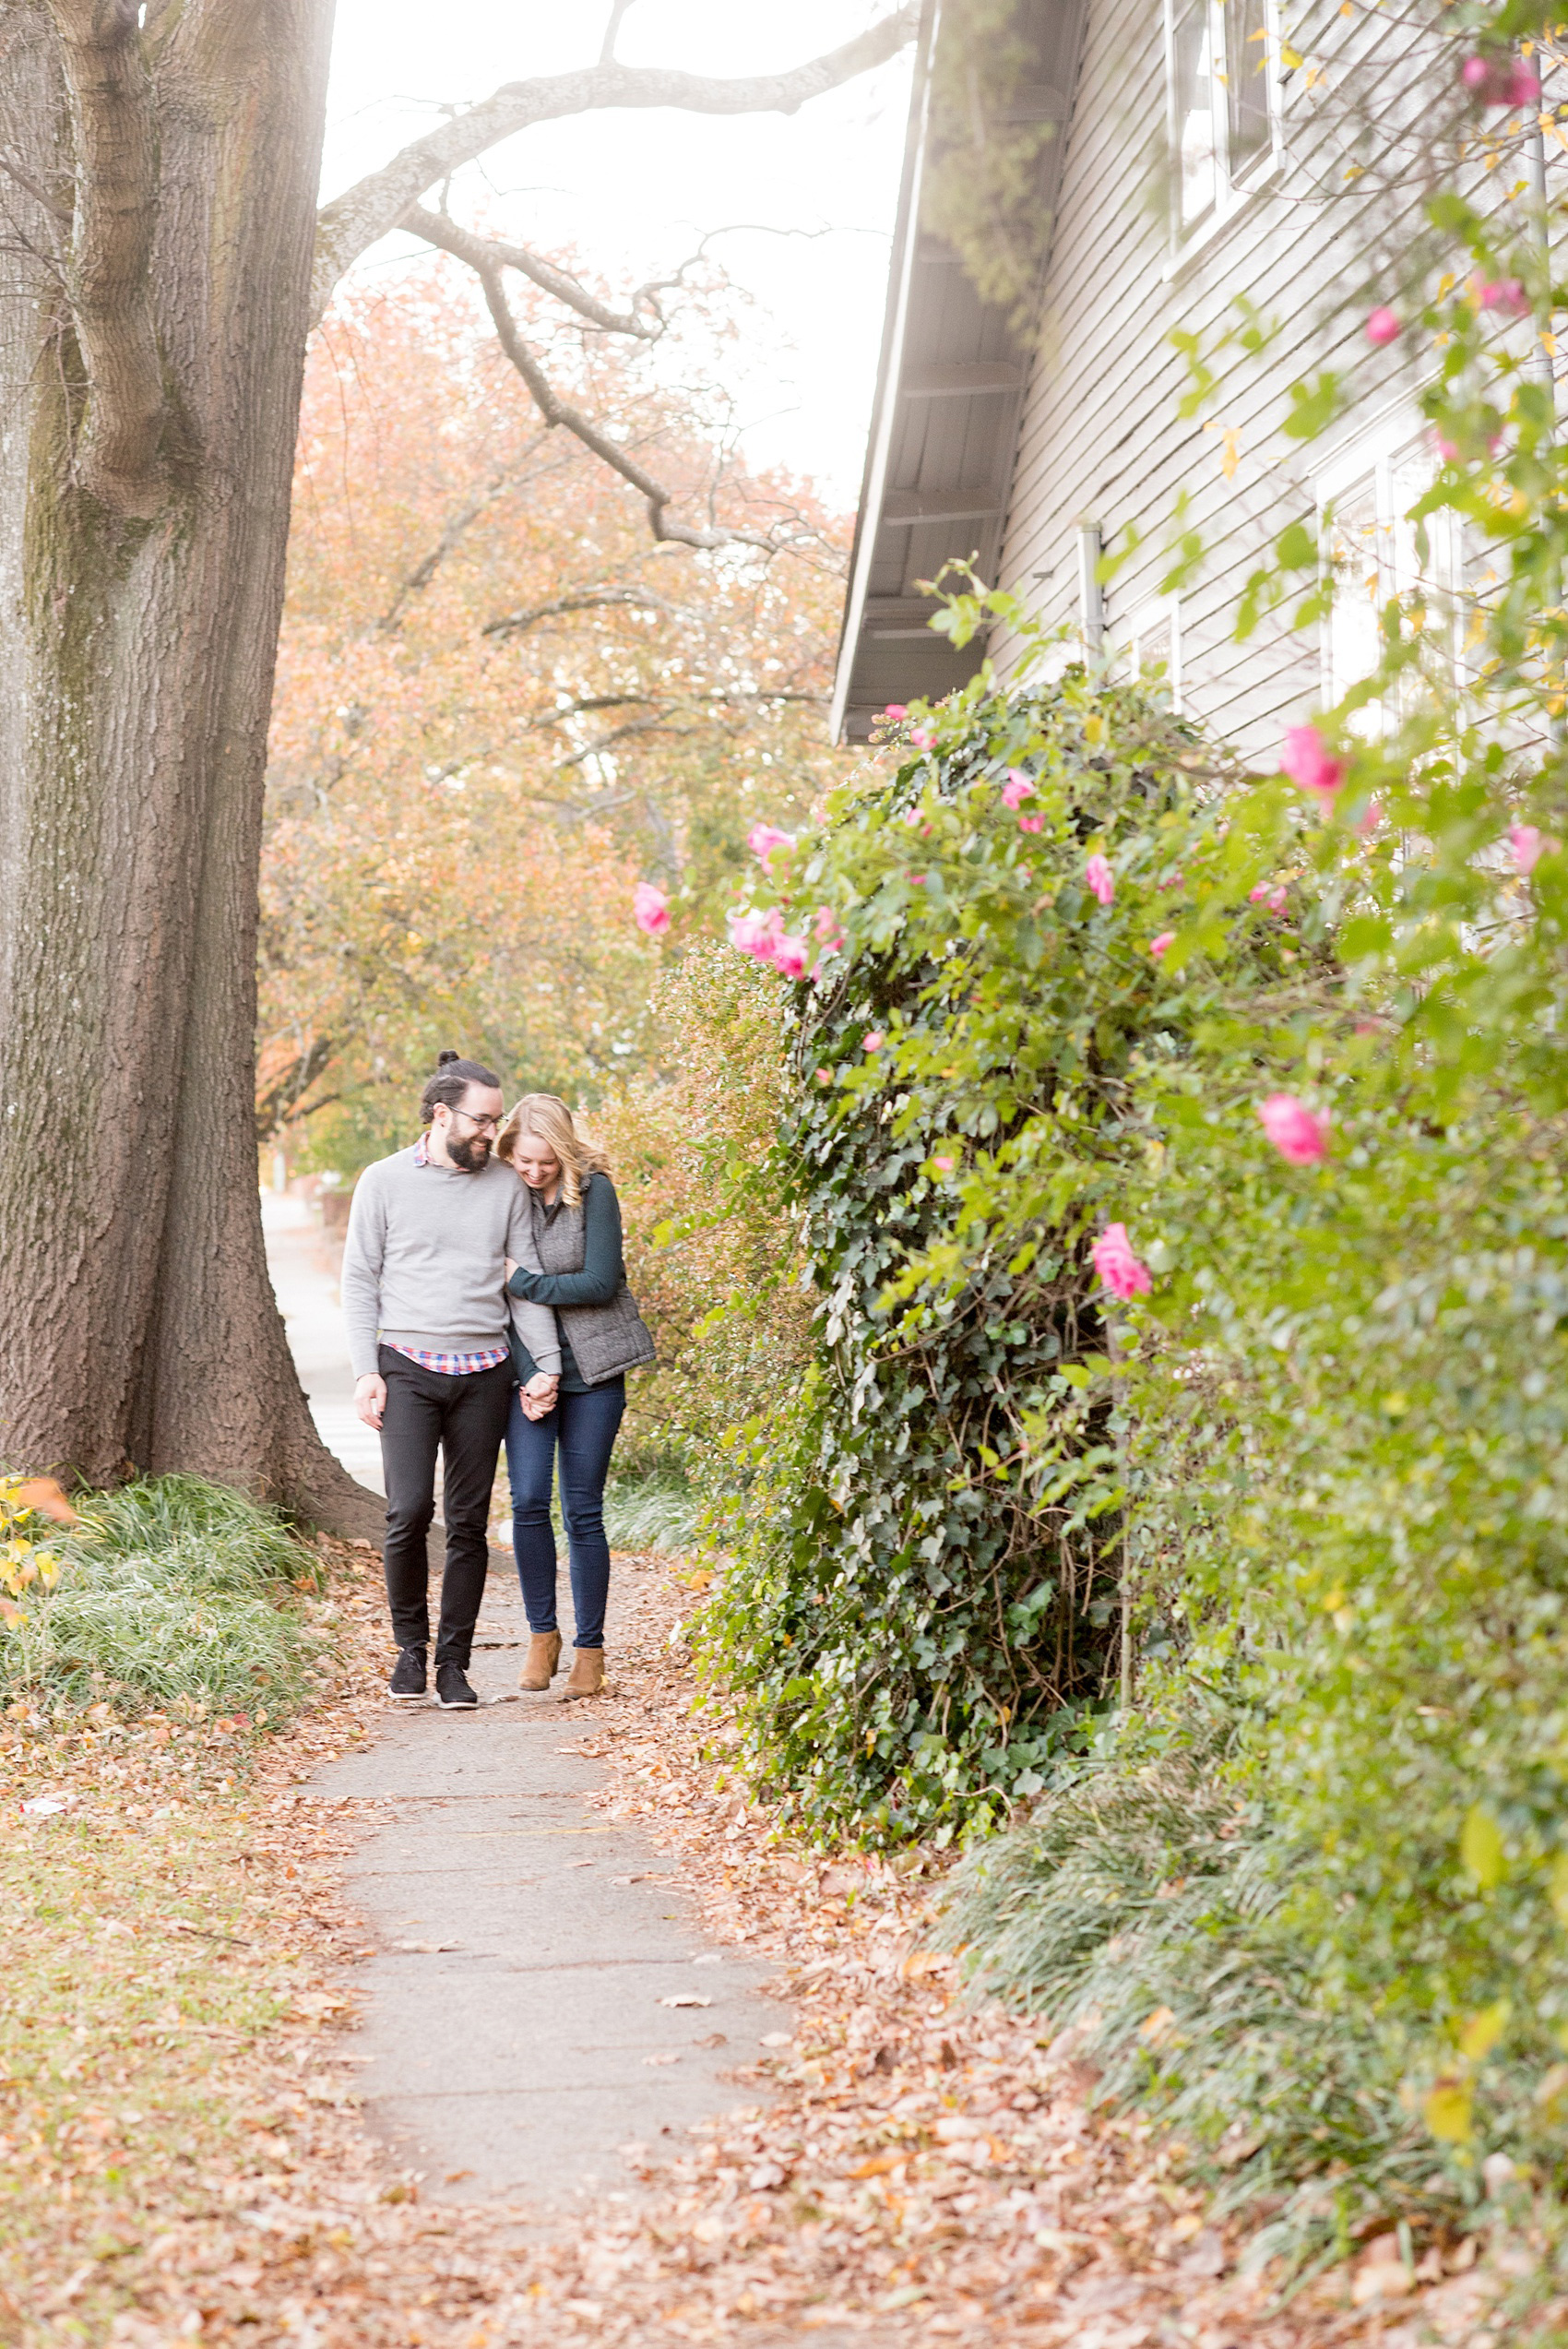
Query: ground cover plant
x=171, y=1590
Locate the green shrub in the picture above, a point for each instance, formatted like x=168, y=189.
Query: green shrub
x=171, y=1589
x=920, y=1605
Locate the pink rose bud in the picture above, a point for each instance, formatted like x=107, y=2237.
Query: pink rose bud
x=1100, y=879
x=1117, y=1266
x=1268, y=894
x=824, y=1076
x=1031, y=823
x=897, y=709
x=764, y=839
x=1519, y=87
x=1016, y=789
x=1296, y=1132
x=1529, y=845
x=1382, y=326
x=1306, y=759
x=650, y=909
x=873, y=1040
x=790, y=956
x=943, y=1165
x=1447, y=450
x=1370, y=819
x=1475, y=72
x=922, y=737
x=1157, y=945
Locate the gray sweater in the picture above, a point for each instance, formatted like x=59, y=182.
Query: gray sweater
x=424, y=1263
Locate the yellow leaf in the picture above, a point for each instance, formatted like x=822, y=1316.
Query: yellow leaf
x=1154, y=2027
x=1480, y=1847
x=1291, y=57
x=1447, y=2112
x=1483, y=2031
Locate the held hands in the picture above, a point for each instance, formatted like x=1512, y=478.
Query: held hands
x=538, y=1397
x=370, y=1398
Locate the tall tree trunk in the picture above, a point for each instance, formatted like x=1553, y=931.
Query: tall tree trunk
x=157, y=221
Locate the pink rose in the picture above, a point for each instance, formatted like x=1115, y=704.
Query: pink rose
x=1529, y=845
x=790, y=956
x=873, y=1040
x=1016, y=789
x=764, y=839
x=1117, y=1266
x=1274, y=898
x=1100, y=879
x=824, y=1076
x=1497, y=83
x=650, y=909
x=922, y=737
x=758, y=933
x=945, y=1165
x=1306, y=759
x=1501, y=293
x=1157, y=945
x=1446, y=449
x=897, y=709
x=1296, y=1132
x=829, y=937
x=1031, y=823
x=1382, y=326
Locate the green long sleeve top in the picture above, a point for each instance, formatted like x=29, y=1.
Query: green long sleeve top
x=603, y=1270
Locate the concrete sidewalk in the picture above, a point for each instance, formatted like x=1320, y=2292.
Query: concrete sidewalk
x=540, y=1995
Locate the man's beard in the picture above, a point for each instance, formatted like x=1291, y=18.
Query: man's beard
x=470, y=1151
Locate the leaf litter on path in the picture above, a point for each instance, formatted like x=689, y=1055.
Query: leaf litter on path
x=184, y=2158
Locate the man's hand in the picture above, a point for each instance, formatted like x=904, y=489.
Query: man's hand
x=370, y=1398
x=538, y=1395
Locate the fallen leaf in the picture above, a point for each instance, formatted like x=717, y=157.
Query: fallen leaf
x=686, y=1998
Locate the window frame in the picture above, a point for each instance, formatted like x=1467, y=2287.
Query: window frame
x=1232, y=190
x=1160, y=612
x=1372, y=456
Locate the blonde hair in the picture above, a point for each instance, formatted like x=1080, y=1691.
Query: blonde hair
x=548, y=1119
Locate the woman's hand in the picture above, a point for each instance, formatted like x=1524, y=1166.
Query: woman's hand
x=538, y=1395
x=511, y=1266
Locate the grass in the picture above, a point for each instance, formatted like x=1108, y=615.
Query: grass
x=657, y=1511
x=1142, y=1908
x=171, y=1591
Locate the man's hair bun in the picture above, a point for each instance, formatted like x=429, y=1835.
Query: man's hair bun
x=442, y=1057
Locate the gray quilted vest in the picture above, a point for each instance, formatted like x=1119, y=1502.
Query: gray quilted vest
x=605, y=1339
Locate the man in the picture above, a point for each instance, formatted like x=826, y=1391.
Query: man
x=424, y=1289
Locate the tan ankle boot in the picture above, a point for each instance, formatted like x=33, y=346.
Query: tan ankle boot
x=588, y=1672
x=543, y=1655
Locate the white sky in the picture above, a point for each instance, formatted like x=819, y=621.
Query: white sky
x=632, y=191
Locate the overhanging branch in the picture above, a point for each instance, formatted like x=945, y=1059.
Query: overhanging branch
x=483, y=252
x=354, y=220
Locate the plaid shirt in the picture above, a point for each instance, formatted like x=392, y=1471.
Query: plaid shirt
x=451, y=1365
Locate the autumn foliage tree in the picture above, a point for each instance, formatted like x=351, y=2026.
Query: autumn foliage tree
x=500, y=704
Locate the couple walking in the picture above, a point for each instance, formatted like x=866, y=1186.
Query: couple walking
x=486, y=1302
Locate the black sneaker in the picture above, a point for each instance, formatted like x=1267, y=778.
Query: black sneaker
x=452, y=1688
x=408, y=1680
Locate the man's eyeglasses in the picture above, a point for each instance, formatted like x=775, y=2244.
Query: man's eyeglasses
x=479, y=1123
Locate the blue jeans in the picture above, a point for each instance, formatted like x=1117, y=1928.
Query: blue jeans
x=585, y=1427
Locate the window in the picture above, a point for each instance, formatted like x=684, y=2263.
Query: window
x=1371, y=550
x=1223, y=108
x=1157, y=644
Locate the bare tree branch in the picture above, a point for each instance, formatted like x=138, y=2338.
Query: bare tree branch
x=556, y=411
x=353, y=221
x=419, y=577
x=602, y=599
x=110, y=280
x=482, y=252
x=13, y=170
x=617, y=10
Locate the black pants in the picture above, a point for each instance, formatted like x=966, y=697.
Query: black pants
x=467, y=1419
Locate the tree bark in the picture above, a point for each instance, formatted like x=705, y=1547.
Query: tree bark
x=151, y=351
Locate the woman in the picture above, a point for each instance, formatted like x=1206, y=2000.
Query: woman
x=576, y=1227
